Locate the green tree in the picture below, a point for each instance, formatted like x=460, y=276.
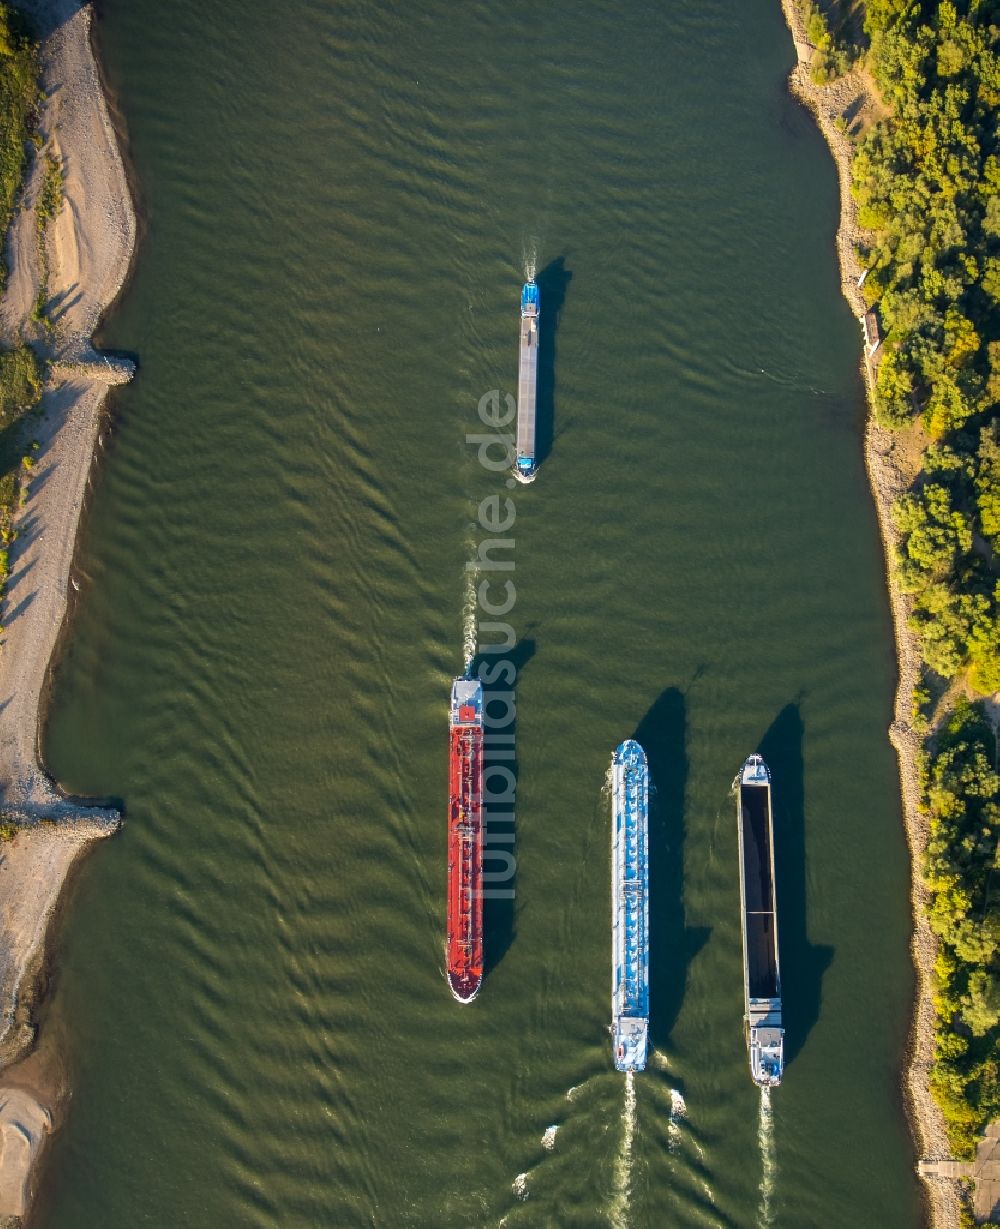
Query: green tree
x=987, y=484
x=981, y=1002
x=935, y=533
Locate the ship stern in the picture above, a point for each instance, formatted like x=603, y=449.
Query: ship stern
x=631, y=1043
x=767, y=1056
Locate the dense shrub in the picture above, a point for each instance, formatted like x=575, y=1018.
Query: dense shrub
x=834, y=53
x=927, y=184
x=926, y=181
x=961, y=796
x=987, y=484
x=935, y=535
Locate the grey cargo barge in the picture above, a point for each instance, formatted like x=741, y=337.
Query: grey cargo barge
x=527, y=381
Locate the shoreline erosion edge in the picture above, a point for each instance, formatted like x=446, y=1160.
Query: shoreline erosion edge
x=89, y=246
x=890, y=471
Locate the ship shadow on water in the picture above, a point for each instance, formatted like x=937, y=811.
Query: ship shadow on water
x=553, y=282
x=672, y=945
x=802, y=963
x=500, y=912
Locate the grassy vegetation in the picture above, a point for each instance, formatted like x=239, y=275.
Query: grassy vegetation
x=18, y=102
x=20, y=389
x=50, y=198
x=20, y=369
x=927, y=184
x=20, y=383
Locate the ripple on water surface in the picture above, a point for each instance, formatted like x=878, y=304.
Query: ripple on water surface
x=342, y=201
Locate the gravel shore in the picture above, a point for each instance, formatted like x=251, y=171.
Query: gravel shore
x=892, y=461
x=89, y=249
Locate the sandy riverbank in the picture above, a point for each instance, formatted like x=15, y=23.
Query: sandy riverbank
x=89, y=247
x=892, y=461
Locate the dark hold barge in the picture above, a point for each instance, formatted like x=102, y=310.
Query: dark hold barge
x=761, y=967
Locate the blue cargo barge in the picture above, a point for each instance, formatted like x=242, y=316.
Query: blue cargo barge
x=630, y=906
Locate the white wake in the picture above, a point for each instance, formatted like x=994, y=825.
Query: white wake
x=469, y=623
x=768, y=1159
x=623, y=1162
x=529, y=259
x=678, y=1112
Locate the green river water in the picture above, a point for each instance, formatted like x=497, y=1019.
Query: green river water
x=341, y=202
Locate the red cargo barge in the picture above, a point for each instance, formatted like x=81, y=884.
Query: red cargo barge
x=465, y=840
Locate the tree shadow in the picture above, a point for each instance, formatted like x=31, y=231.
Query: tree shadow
x=39, y=478
x=44, y=19
x=851, y=114
x=498, y=671
x=12, y=615
x=15, y=578
x=802, y=963
x=672, y=945
x=12, y=444
x=28, y=530
x=553, y=282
